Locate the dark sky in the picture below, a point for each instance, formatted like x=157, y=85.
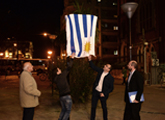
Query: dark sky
x=27, y=19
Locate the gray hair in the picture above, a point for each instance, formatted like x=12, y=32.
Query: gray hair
x=25, y=67
x=134, y=63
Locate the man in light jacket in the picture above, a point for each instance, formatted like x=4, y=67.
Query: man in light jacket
x=28, y=92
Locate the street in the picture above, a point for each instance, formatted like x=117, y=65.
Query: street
x=49, y=109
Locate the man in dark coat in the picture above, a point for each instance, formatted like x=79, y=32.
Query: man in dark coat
x=103, y=85
x=135, y=82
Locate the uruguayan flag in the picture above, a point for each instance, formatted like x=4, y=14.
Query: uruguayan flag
x=80, y=34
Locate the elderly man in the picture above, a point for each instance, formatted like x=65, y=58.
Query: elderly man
x=135, y=82
x=103, y=85
x=28, y=92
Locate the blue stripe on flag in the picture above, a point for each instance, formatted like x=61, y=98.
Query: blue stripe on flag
x=91, y=25
x=71, y=35
x=78, y=33
x=85, y=25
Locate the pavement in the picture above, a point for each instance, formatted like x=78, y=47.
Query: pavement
x=49, y=109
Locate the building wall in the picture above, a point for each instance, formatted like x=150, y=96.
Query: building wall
x=16, y=49
x=147, y=26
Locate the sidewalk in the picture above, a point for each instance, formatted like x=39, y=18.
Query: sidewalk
x=49, y=109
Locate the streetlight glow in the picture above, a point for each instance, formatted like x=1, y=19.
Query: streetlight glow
x=15, y=44
x=45, y=34
x=48, y=57
x=1, y=54
x=50, y=52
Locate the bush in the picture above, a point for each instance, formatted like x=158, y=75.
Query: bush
x=81, y=80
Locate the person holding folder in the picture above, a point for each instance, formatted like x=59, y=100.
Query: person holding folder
x=135, y=83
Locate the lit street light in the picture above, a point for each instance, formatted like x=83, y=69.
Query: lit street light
x=51, y=53
x=48, y=57
x=1, y=54
x=52, y=38
x=16, y=45
x=129, y=8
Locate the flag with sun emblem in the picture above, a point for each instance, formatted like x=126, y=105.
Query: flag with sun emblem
x=80, y=34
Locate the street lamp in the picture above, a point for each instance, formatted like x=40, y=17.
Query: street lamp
x=129, y=8
x=1, y=54
x=51, y=53
x=52, y=38
x=16, y=45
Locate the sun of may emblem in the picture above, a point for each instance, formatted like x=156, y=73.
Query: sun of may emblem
x=87, y=47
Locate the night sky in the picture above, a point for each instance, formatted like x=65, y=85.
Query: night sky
x=25, y=20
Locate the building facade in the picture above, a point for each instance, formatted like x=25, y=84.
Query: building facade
x=148, y=35
x=16, y=49
x=147, y=26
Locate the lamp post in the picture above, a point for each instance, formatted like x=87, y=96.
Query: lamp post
x=16, y=45
x=144, y=49
x=52, y=38
x=129, y=8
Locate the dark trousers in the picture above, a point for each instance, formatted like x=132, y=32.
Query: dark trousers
x=95, y=98
x=28, y=113
x=123, y=80
x=132, y=111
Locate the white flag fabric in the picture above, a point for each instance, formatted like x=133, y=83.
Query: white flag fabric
x=80, y=34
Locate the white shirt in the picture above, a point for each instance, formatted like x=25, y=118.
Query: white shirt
x=131, y=73
x=100, y=85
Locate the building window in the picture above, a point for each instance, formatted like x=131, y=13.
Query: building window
x=116, y=52
x=109, y=26
x=115, y=16
x=115, y=27
x=114, y=3
x=109, y=51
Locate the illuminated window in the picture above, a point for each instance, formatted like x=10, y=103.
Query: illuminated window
x=114, y=3
x=116, y=52
x=115, y=27
x=115, y=16
x=10, y=53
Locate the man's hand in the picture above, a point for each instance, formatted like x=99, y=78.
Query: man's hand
x=101, y=95
x=135, y=101
x=58, y=71
x=73, y=55
x=89, y=57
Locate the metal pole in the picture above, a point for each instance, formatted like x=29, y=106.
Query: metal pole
x=145, y=67
x=52, y=63
x=130, y=45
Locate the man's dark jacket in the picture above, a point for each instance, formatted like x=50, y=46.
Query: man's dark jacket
x=136, y=84
x=62, y=82
x=107, y=83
